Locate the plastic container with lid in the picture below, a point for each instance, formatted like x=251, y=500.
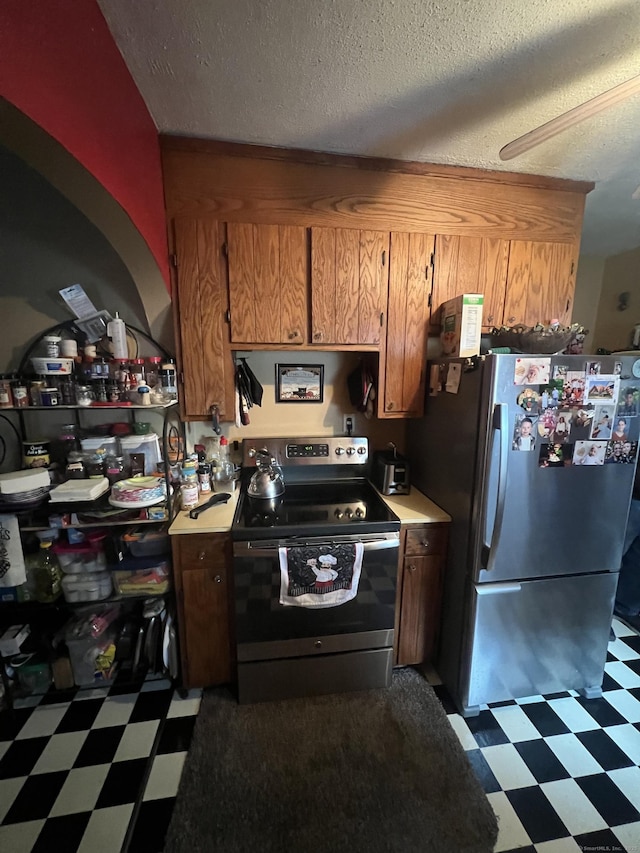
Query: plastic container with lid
x=86, y=586
x=148, y=543
x=87, y=557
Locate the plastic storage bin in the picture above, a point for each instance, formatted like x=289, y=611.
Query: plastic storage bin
x=80, y=559
x=87, y=586
x=148, y=444
x=147, y=543
x=109, y=442
x=92, y=659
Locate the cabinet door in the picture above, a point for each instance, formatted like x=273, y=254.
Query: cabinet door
x=348, y=285
x=420, y=609
x=470, y=265
x=540, y=283
x=202, y=565
x=206, y=365
x=268, y=276
x=402, y=371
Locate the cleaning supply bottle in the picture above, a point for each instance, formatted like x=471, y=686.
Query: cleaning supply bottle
x=47, y=574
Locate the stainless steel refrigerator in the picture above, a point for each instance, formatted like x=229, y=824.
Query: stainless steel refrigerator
x=534, y=459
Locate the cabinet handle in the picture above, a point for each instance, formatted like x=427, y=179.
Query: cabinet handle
x=425, y=543
x=317, y=336
x=382, y=318
x=292, y=335
x=389, y=406
x=217, y=578
x=511, y=319
x=490, y=318
x=411, y=567
x=384, y=257
x=202, y=555
x=568, y=303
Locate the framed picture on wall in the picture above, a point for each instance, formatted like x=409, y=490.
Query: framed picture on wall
x=299, y=383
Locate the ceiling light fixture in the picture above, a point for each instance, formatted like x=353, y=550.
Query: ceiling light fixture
x=566, y=120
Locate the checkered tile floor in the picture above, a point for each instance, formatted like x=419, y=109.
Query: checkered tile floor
x=95, y=771
x=561, y=772
x=99, y=770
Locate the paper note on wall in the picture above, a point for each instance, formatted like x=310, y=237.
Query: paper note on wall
x=453, y=378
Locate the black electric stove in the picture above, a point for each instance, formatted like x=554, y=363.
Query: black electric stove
x=290, y=647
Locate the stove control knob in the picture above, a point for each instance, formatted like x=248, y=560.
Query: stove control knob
x=362, y=450
x=359, y=512
x=251, y=452
x=318, y=644
x=350, y=451
x=338, y=513
x=339, y=451
x=348, y=512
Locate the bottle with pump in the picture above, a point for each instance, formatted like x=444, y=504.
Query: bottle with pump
x=47, y=574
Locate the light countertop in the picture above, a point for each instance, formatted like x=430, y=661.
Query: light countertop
x=216, y=519
x=414, y=508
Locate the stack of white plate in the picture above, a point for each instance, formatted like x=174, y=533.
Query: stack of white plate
x=23, y=489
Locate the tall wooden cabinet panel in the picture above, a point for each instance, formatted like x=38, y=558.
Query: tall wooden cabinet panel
x=471, y=265
x=348, y=285
x=268, y=280
x=540, y=282
x=202, y=575
x=202, y=303
x=408, y=316
x=424, y=549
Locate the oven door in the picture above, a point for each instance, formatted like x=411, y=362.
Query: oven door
x=280, y=642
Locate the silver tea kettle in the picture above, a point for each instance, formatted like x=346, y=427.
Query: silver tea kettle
x=267, y=481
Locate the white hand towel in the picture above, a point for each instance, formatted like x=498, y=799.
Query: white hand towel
x=12, y=571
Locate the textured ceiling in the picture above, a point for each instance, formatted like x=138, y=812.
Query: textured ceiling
x=441, y=82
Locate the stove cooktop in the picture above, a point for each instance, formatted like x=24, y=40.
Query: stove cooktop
x=314, y=509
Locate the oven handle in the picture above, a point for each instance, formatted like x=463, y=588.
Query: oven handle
x=259, y=549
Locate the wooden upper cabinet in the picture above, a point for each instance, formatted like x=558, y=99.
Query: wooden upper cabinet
x=540, y=282
x=403, y=363
x=349, y=275
x=268, y=283
x=201, y=300
x=470, y=265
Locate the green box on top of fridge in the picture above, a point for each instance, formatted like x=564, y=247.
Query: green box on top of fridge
x=461, y=325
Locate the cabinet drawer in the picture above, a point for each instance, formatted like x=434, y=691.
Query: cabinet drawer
x=430, y=539
x=202, y=551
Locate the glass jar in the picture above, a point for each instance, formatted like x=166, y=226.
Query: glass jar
x=20, y=394
x=67, y=441
x=6, y=394
x=84, y=395
x=68, y=392
x=34, y=391
x=115, y=469
x=96, y=464
x=153, y=367
x=52, y=346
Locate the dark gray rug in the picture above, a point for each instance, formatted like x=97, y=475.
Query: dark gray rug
x=368, y=772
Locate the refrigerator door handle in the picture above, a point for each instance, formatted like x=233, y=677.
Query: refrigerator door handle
x=498, y=588
x=500, y=428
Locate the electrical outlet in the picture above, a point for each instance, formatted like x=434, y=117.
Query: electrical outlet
x=348, y=424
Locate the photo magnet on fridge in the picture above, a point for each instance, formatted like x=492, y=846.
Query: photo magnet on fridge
x=589, y=452
x=628, y=402
x=601, y=389
x=531, y=371
x=524, y=433
x=552, y=456
x=623, y=452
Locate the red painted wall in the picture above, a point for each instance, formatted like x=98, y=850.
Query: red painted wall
x=61, y=67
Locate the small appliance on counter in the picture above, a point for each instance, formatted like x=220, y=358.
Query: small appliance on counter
x=390, y=472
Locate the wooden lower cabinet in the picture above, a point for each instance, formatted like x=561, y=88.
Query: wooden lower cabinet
x=422, y=556
x=202, y=572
